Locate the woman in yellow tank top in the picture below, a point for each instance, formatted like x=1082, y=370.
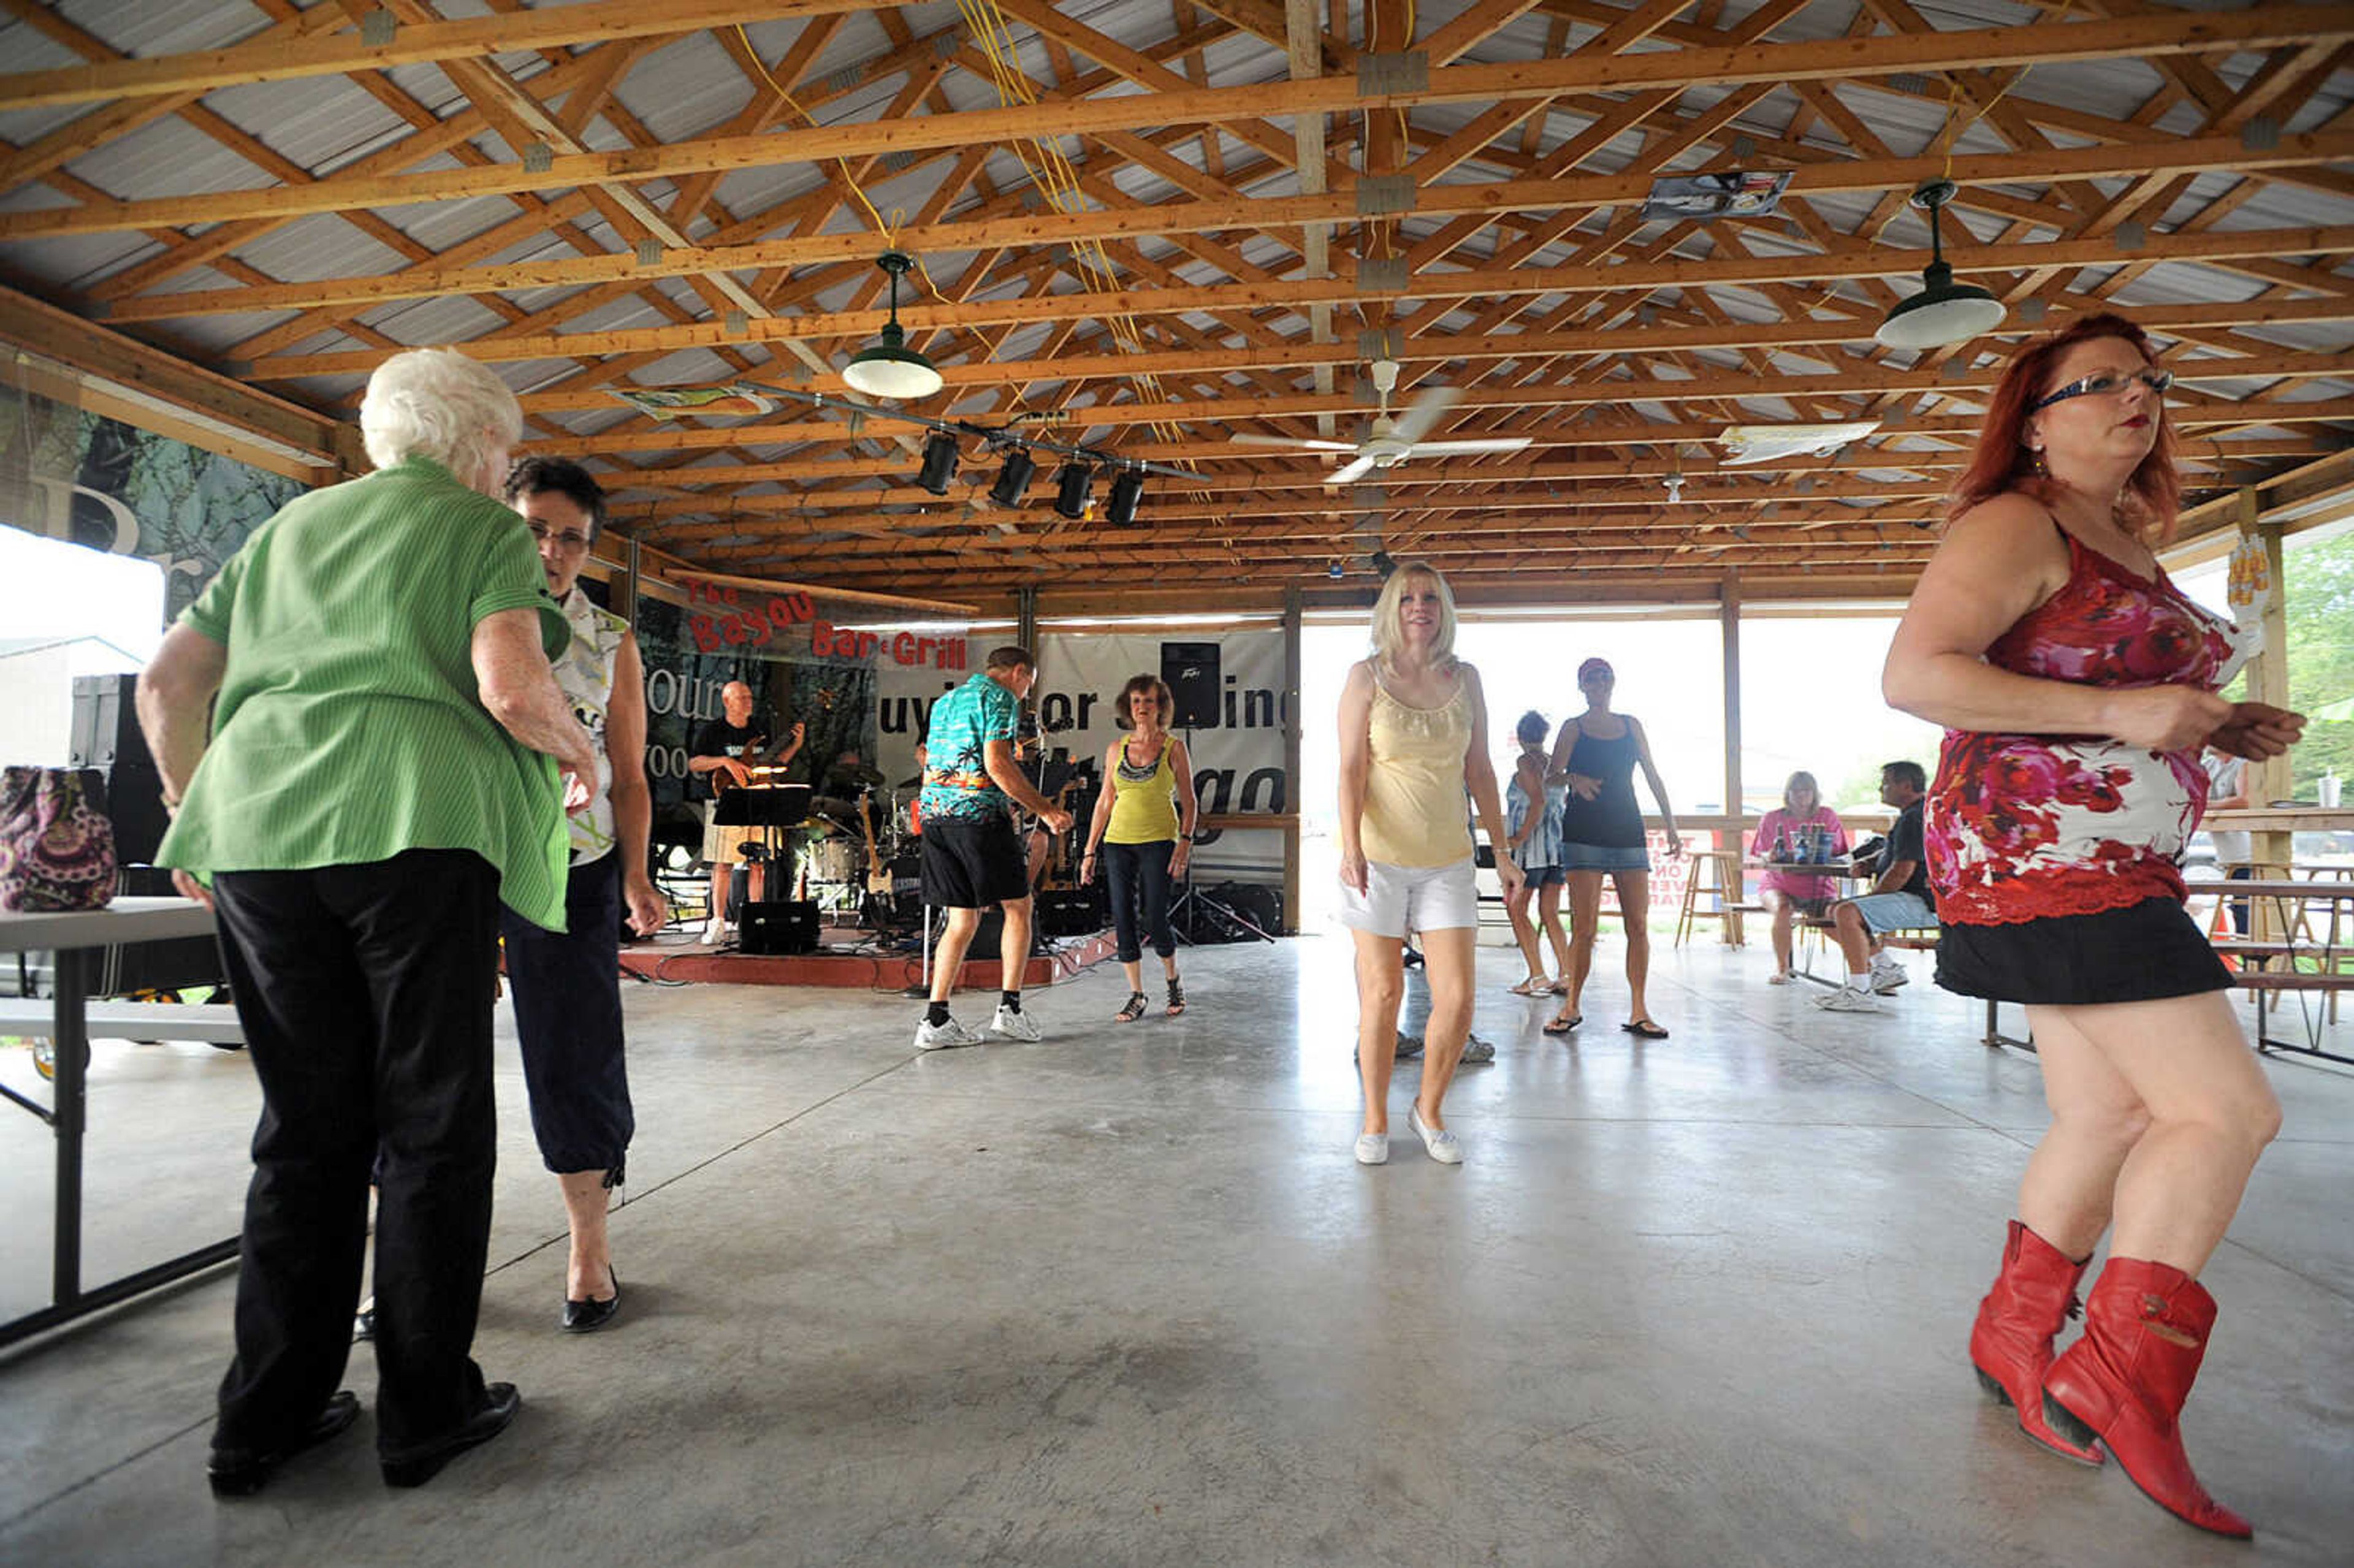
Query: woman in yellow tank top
x=1413, y=741
x=1147, y=788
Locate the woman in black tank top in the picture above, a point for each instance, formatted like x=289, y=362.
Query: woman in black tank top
x=1596, y=755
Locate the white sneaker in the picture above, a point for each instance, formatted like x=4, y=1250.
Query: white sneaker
x=1886, y=977
x=1373, y=1148
x=930, y=1036
x=1013, y=1023
x=1846, y=999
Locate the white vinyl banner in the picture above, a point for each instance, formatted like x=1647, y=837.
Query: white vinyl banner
x=1237, y=760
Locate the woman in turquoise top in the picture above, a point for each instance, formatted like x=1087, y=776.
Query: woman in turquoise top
x=1143, y=830
x=375, y=779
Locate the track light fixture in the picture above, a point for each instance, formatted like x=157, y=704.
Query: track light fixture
x=1013, y=477
x=1385, y=564
x=1944, y=311
x=1072, y=483
x=1126, y=486
x=940, y=462
x=892, y=369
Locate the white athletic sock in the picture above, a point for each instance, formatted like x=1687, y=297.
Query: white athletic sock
x=1858, y=981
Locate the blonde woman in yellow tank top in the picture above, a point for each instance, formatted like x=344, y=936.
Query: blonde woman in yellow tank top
x=1142, y=832
x=1413, y=742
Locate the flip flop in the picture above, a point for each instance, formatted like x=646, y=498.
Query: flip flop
x=1563, y=1025
x=1533, y=986
x=1646, y=1028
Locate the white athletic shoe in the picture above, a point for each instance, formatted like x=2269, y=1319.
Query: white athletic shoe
x=1887, y=975
x=1846, y=999
x=1373, y=1148
x=930, y=1036
x=1014, y=1024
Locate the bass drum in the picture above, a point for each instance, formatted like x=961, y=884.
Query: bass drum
x=835, y=860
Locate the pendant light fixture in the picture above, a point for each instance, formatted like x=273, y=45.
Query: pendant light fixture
x=892, y=369
x=1944, y=311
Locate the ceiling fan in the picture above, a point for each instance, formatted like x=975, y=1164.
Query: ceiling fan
x=1392, y=441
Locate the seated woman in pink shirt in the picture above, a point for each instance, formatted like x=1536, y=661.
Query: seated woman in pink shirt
x=1800, y=819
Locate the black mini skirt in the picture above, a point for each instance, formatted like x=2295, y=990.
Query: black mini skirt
x=2140, y=953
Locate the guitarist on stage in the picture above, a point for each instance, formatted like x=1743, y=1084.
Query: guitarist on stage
x=724, y=752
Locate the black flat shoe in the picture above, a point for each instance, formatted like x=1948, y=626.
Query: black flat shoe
x=587, y=1317
x=500, y=1403
x=237, y=1473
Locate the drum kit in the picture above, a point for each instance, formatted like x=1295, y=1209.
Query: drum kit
x=859, y=852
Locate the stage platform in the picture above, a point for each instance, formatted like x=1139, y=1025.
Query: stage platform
x=845, y=958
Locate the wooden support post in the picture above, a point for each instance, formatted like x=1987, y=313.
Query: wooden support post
x=2272, y=780
x=625, y=587
x=1737, y=892
x=1292, y=733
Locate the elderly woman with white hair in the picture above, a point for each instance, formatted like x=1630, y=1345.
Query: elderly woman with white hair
x=379, y=775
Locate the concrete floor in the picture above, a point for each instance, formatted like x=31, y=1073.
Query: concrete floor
x=1122, y=1297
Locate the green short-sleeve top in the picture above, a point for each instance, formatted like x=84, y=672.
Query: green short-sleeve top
x=349, y=727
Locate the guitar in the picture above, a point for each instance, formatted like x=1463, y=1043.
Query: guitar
x=758, y=760
x=878, y=879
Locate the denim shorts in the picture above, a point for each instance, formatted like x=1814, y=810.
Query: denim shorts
x=1884, y=912
x=1605, y=857
x=1544, y=876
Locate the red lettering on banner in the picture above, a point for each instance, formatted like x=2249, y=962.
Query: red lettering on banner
x=904, y=649
x=706, y=636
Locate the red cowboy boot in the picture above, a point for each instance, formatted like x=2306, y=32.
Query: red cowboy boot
x=2146, y=1327
x=2011, y=1344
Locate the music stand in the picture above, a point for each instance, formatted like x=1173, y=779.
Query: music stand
x=771, y=808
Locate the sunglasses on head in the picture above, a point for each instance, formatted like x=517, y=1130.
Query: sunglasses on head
x=2106, y=383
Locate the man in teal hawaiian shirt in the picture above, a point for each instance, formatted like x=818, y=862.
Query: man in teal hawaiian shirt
x=972, y=857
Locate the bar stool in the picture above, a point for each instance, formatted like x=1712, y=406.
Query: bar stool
x=1723, y=879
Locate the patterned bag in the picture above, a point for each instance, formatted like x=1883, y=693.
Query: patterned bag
x=56, y=843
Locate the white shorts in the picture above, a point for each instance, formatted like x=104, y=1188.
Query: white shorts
x=1402, y=898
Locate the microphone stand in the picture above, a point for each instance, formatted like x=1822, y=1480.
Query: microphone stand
x=1191, y=900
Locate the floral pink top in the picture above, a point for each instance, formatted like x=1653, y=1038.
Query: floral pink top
x=1783, y=822
x=2024, y=827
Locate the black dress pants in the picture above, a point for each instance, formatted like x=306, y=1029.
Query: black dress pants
x=366, y=993
x=568, y=1003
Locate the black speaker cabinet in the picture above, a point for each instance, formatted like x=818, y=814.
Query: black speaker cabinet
x=781, y=926
x=1191, y=671
x=106, y=736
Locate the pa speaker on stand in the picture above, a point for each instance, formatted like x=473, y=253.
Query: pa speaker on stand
x=1191, y=671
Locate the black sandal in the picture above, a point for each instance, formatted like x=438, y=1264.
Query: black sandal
x=1646, y=1028
x=1176, y=998
x=1561, y=1025
x=1133, y=1011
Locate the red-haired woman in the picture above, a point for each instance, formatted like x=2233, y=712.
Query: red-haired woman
x=2076, y=685
x=1143, y=830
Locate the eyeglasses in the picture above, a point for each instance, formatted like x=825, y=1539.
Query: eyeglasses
x=570, y=544
x=2105, y=384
